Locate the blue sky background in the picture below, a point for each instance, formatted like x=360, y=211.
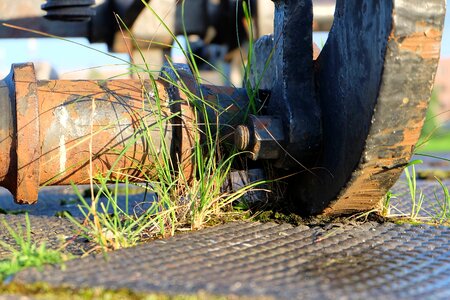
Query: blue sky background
x=67, y=57
x=62, y=55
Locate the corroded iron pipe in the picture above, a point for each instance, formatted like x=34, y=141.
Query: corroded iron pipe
x=51, y=130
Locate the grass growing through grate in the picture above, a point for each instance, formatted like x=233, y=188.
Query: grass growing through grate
x=26, y=253
x=423, y=209
x=179, y=203
x=436, y=209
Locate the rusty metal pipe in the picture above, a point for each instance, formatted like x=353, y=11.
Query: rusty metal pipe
x=53, y=128
x=50, y=130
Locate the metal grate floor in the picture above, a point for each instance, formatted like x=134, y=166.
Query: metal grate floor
x=338, y=261
x=370, y=260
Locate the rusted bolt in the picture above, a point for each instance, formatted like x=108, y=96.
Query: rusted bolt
x=242, y=137
x=262, y=137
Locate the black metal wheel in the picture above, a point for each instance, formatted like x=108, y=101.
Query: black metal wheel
x=354, y=115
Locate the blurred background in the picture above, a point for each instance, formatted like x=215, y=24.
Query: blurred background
x=217, y=26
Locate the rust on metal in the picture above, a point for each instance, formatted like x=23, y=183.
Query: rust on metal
x=67, y=131
x=223, y=107
x=344, y=120
x=227, y=107
x=261, y=137
x=182, y=88
x=108, y=115
x=409, y=68
x=56, y=129
x=426, y=42
x=372, y=82
x=28, y=149
x=242, y=137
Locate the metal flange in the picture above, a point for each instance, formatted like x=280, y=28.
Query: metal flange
x=28, y=150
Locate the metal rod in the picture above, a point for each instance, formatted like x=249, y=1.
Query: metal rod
x=48, y=127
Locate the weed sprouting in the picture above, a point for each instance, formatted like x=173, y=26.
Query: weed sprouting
x=26, y=253
x=442, y=208
x=417, y=196
x=180, y=201
x=386, y=209
x=422, y=209
x=119, y=228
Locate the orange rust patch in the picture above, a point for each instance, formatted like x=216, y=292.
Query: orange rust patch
x=426, y=43
x=367, y=188
x=422, y=104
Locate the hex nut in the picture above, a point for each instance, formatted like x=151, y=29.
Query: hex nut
x=262, y=137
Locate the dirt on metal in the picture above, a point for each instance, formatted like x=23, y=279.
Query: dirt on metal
x=409, y=69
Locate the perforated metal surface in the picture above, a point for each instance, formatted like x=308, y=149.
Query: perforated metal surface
x=431, y=206
x=55, y=232
x=347, y=261
x=433, y=202
x=338, y=261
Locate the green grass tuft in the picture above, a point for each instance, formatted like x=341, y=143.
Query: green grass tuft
x=438, y=207
x=179, y=203
x=26, y=253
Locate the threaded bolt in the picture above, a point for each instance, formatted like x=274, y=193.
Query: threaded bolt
x=242, y=137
